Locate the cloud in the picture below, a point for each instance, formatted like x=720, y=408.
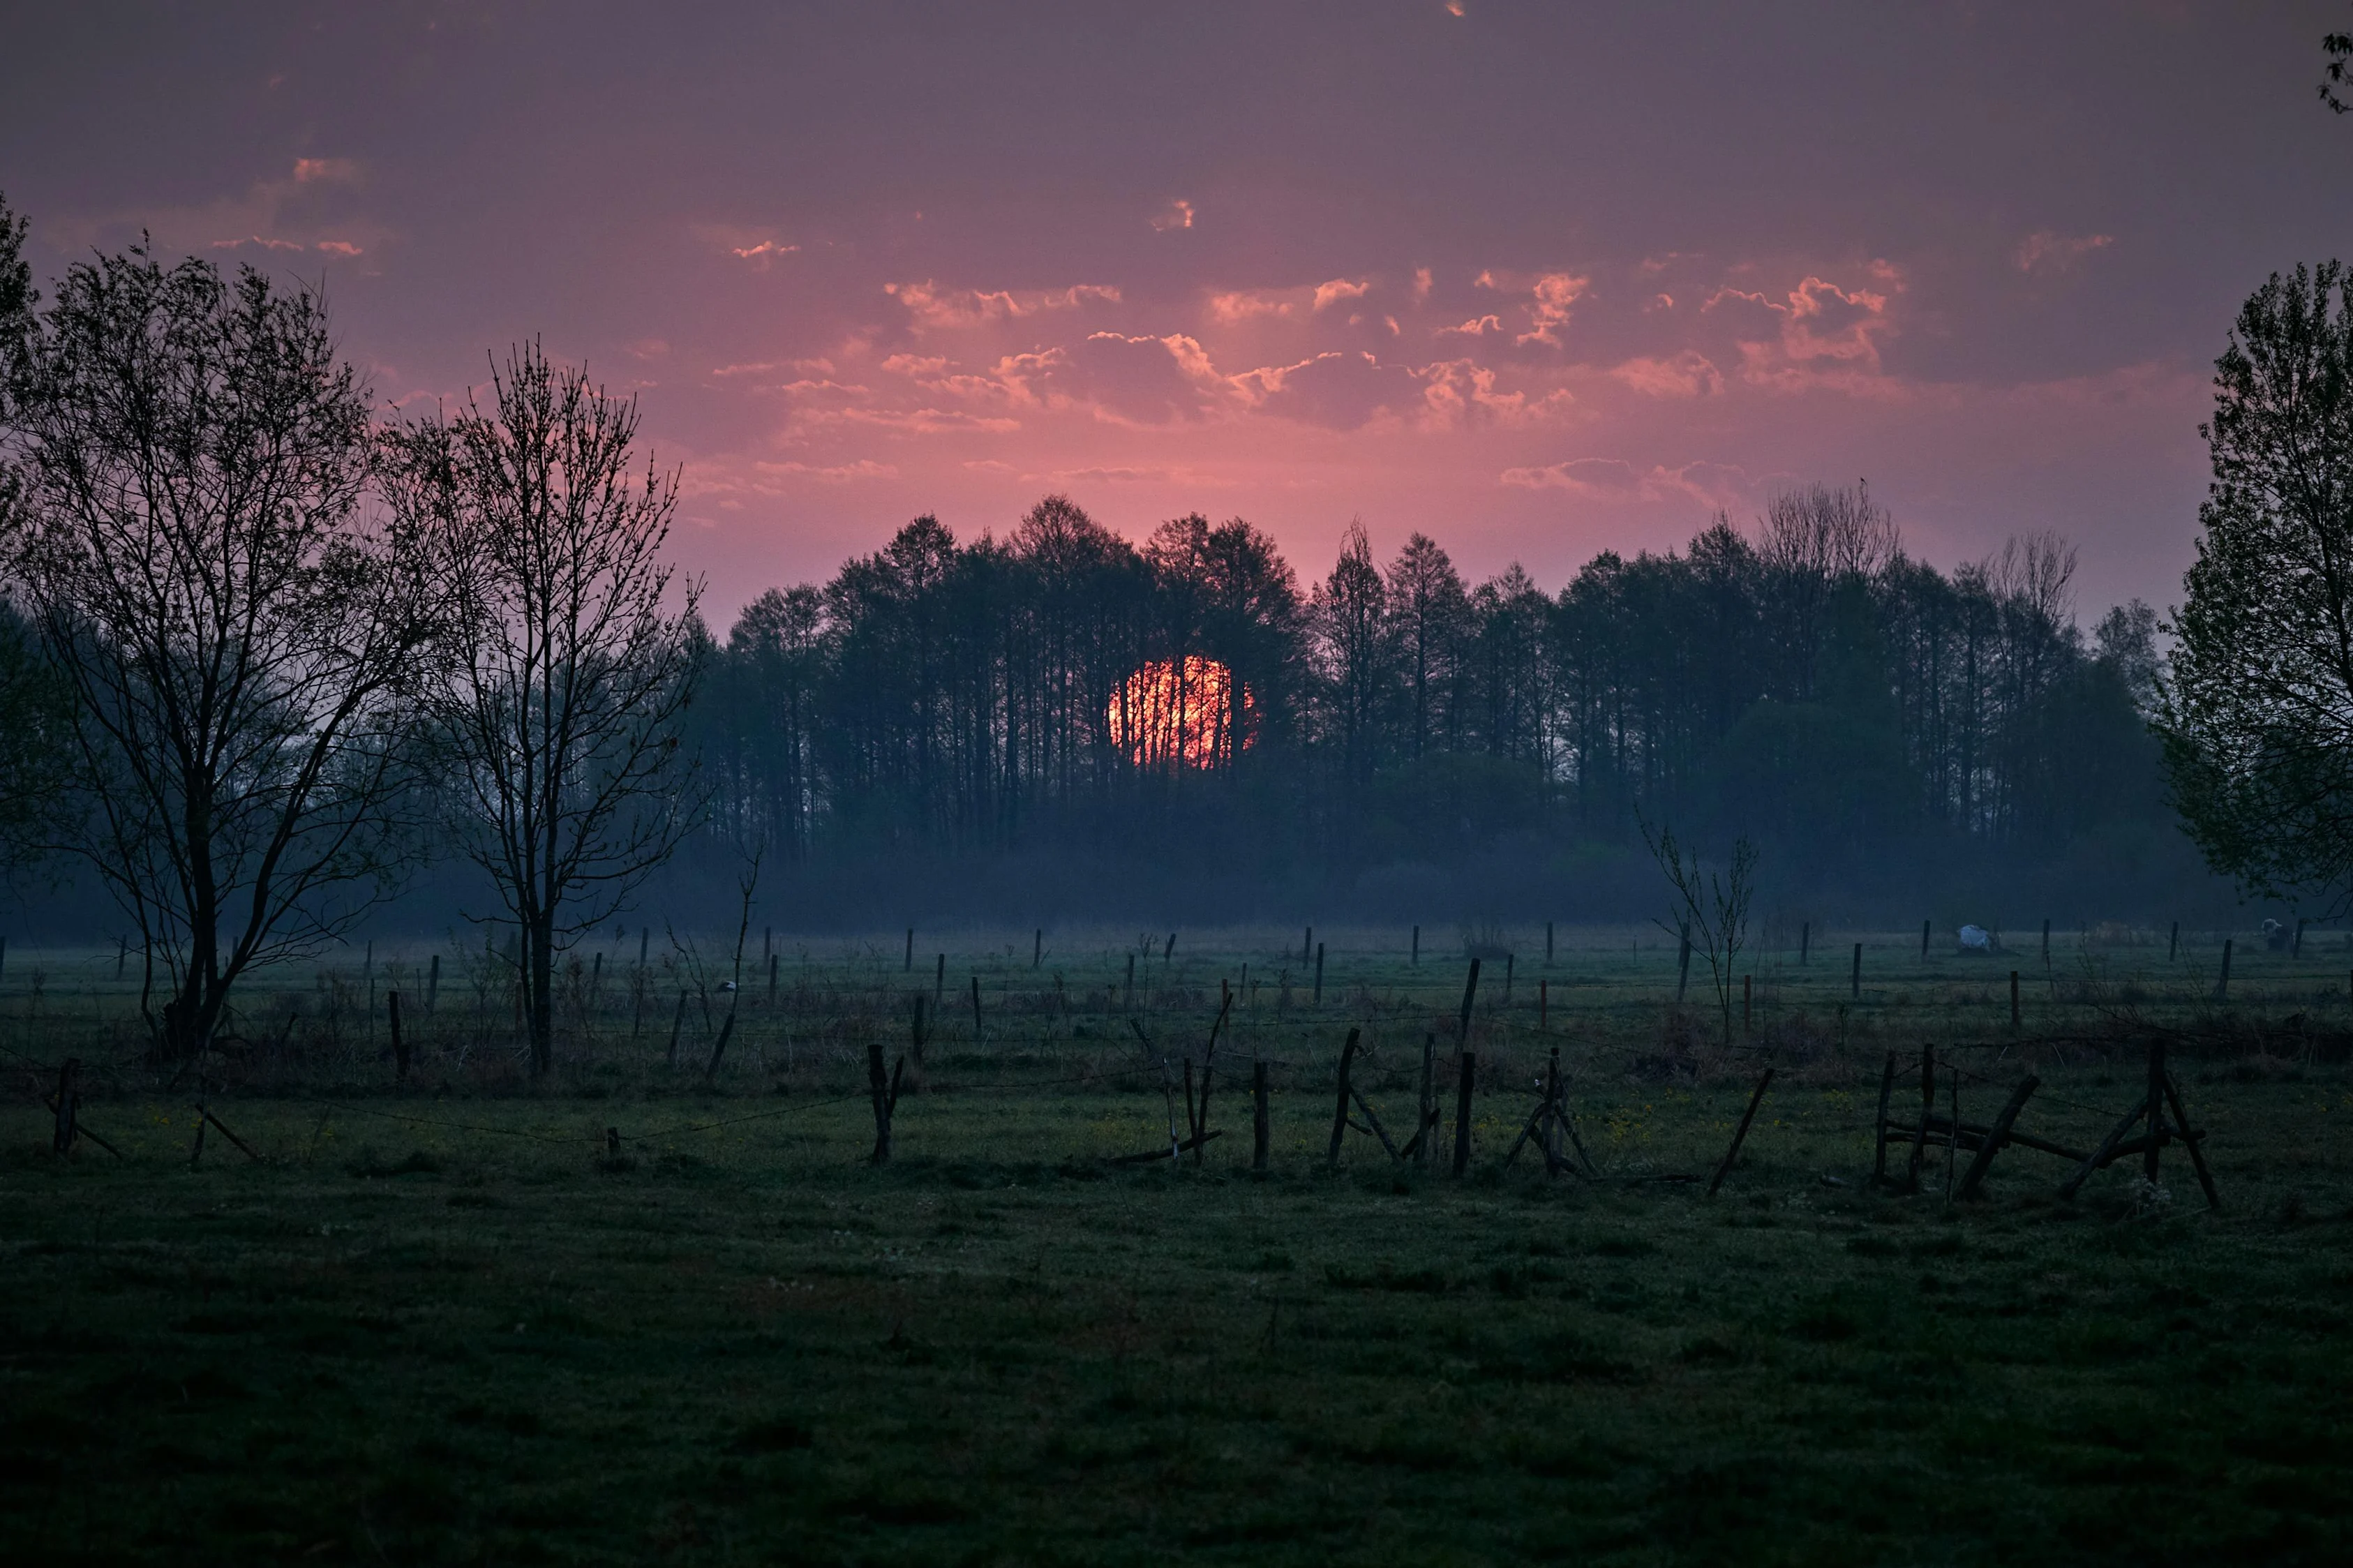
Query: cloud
x=1339, y=289
x=1422, y=284
x=315, y=171
x=863, y=469
x=1687, y=375
x=1816, y=335
x=1555, y=292
x=934, y=308
x=1175, y=215
x=1712, y=485
x=767, y=250
x=2048, y=251
x=1456, y=391
x=257, y=240
x=1478, y=326
x=754, y=368
x=1243, y=304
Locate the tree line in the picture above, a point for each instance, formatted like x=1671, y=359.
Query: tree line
x=1804, y=681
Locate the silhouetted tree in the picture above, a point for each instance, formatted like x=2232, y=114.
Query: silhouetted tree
x=2258, y=716
x=241, y=649
x=557, y=701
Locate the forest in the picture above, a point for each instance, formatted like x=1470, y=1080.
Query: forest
x=1392, y=737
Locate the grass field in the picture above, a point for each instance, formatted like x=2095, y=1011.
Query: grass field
x=444, y=1321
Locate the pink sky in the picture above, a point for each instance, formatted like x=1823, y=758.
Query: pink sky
x=1535, y=282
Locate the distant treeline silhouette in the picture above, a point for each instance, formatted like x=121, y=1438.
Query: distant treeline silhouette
x=1805, y=682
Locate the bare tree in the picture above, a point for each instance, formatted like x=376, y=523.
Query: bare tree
x=240, y=646
x=1710, y=907
x=558, y=706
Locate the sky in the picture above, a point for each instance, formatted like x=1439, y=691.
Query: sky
x=1538, y=279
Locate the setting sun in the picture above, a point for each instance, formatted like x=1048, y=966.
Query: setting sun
x=1181, y=711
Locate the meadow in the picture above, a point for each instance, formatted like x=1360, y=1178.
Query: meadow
x=658, y=1308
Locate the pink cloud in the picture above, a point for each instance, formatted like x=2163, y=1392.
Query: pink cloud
x=1457, y=391
x=314, y=171
x=1687, y=375
x=258, y=239
x=337, y=248
x=1176, y=214
x=863, y=469
x=2047, y=250
x=934, y=308
x=1339, y=289
x=1554, y=293
x=1712, y=485
x=1478, y=326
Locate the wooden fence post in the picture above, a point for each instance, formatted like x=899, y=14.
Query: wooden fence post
x=877, y=1089
x=2297, y=949
x=1340, y=1112
x=1740, y=1133
x=399, y=1046
x=1854, y=985
x=432, y=984
x=2013, y=1002
x=976, y=1009
x=1997, y=1135
x=718, y=1049
x=1307, y=945
x=1887, y=1092
x=1547, y=942
x=2046, y=941
x=1748, y=986
x=1258, y=1128
x=1463, y=1113
x=1924, y=941
x=1927, y=1110
x=2222, y=986
x=61, y=1141
x=1682, y=964
x=2173, y=943
x=1805, y=941
x=1416, y=960
x=1425, y=1118
x=1544, y=1004
x=1319, y=974
x=1127, y=998
x=910, y=949
x=677, y=1023
x=1037, y=947
x=940, y=980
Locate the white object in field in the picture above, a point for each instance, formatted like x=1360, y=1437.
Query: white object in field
x=1976, y=939
x=727, y=986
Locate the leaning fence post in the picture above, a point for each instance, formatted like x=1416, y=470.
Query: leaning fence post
x=1740, y=1132
x=1258, y=1128
x=1886, y=1090
x=677, y=1023
x=68, y=1105
x=1997, y=1135
x=399, y=1046
x=1854, y=985
x=1924, y=941
x=1463, y=1113
x=1340, y=1113
x=1426, y=1122
x=877, y=1089
x=2222, y=986
x=1927, y=1110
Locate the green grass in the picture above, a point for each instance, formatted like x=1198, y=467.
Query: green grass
x=441, y=1325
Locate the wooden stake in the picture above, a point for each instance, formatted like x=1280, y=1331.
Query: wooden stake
x=1924, y=941
x=1886, y=1090
x=878, y=1092
x=2173, y=943
x=1469, y=991
x=2099, y=1156
x=1548, y=941
x=1258, y=1128
x=1855, y=984
x=1037, y=947
x=1682, y=964
x=69, y=1105
x=2190, y=1140
x=1319, y=974
x=910, y=949
x=1129, y=999
x=1740, y=1133
x=975, y=1008
x=1416, y=947
x=1340, y=1110
x=1192, y=1118
x=399, y=1046
x=1997, y=1136
x=2222, y=986
x=1462, y=1112
x=940, y=980
x=432, y=984
x=1927, y=1108
x=2013, y=1002
x=677, y=1023
x=718, y=1049
x=1805, y=940
x=1747, y=988
x=1427, y=1111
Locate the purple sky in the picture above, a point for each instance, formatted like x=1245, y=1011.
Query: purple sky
x=1536, y=279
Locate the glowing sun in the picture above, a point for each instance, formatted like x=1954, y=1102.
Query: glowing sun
x=1182, y=712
